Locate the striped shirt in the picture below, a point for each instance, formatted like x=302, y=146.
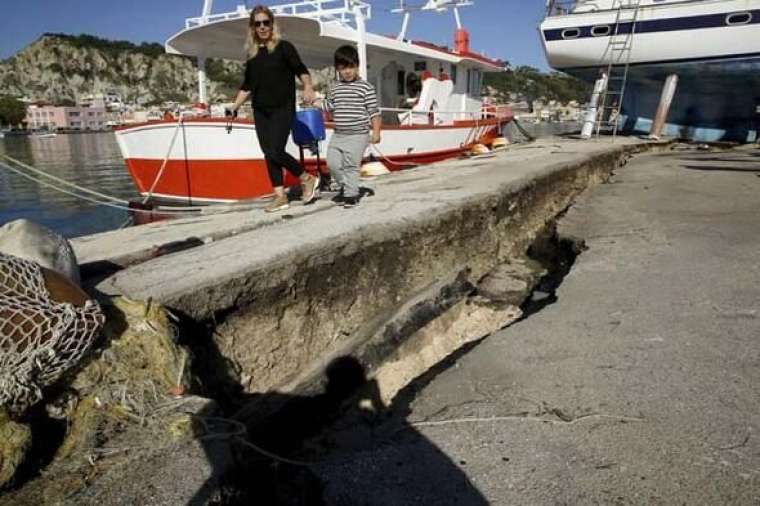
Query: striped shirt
x=353, y=104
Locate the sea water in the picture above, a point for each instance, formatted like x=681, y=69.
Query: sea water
x=91, y=160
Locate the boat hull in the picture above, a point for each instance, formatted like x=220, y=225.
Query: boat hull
x=209, y=162
x=714, y=100
x=717, y=64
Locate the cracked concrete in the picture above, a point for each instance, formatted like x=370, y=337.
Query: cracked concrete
x=638, y=386
x=292, y=291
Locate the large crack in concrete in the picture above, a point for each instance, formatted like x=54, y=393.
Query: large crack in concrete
x=325, y=422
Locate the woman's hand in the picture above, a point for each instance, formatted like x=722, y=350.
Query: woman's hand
x=375, y=138
x=308, y=95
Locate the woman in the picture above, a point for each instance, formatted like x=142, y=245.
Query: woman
x=273, y=64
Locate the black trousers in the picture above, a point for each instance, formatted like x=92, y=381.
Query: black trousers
x=272, y=129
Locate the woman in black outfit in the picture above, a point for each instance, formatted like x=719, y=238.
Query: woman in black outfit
x=270, y=74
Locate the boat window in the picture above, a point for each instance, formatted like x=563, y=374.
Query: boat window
x=571, y=33
x=400, y=83
x=413, y=85
x=420, y=66
x=739, y=18
x=600, y=30
x=453, y=73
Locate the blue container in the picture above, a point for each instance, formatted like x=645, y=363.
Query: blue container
x=308, y=127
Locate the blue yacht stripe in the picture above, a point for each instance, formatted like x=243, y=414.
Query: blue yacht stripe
x=657, y=25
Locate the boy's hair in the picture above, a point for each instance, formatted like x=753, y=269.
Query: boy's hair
x=346, y=56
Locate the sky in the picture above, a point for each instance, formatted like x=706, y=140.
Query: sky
x=503, y=29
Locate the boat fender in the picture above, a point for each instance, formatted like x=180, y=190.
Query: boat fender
x=371, y=169
x=479, y=149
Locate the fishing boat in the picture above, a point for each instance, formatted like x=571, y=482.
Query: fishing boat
x=712, y=46
x=430, y=98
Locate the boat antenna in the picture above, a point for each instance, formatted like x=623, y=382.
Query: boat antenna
x=431, y=5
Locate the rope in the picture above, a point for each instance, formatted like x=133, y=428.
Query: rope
x=163, y=164
x=63, y=181
x=522, y=130
x=85, y=190
x=384, y=158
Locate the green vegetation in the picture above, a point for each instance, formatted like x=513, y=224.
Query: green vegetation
x=12, y=111
x=530, y=84
x=110, y=47
x=217, y=71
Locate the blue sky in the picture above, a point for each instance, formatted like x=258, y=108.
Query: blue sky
x=500, y=28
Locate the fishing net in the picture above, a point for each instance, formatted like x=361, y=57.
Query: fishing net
x=40, y=338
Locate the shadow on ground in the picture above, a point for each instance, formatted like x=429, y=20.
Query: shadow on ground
x=336, y=445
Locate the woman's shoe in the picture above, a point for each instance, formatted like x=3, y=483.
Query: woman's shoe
x=280, y=203
x=310, y=186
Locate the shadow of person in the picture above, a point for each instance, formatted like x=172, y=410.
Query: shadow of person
x=338, y=446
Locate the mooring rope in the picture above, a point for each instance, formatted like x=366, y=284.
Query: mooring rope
x=373, y=147
x=163, y=164
x=62, y=181
x=115, y=203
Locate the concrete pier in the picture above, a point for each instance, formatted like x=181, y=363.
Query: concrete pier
x=638, y=385
x=287, y=292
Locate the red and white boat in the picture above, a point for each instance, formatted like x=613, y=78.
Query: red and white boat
x=201, y=160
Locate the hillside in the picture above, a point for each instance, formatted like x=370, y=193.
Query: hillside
x=60, y=68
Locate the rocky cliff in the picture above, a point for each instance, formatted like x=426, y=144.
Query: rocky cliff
x=61, y=68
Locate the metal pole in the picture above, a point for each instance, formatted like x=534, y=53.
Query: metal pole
x=589, y=119
x=202, y=92
x=404, y=26
x=207, y=5
x=666, y=99
x=361, y=30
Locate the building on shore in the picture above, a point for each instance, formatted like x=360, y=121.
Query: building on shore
x=50, y=117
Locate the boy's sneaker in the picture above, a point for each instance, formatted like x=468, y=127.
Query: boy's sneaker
x=278, y=204
x=339, y=198
x=350, y=202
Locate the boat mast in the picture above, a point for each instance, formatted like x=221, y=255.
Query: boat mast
x=361, y=37
x=404, y=24
x=202, y=90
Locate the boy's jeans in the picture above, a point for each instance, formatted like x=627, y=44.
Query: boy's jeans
x=344, y=157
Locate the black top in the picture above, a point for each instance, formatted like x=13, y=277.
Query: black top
x=270, y=77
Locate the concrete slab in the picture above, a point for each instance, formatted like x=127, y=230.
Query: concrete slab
x=283, y=291
x=449, y=179
x=638, y=386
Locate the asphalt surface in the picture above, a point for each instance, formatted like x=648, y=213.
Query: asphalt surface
x=639, y=385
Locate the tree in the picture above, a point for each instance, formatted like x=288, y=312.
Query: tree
x=12, y=111
x=530, y=85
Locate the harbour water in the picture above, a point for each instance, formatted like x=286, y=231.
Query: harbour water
x=89, y=160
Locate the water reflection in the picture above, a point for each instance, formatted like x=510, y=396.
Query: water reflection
x=90, y=160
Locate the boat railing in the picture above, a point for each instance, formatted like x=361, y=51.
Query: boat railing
x=560, y=7
x=408, y=117
x=342, y=11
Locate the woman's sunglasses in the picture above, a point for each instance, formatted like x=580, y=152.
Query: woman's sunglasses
x=266, y=22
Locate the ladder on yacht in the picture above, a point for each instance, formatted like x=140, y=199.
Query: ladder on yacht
x=619, y=48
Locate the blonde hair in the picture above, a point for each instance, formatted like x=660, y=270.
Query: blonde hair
x=253, y=42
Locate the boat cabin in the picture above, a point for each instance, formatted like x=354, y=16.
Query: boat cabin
x=416, y=82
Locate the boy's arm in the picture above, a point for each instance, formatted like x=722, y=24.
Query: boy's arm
x=377, y=123
x=370, y=102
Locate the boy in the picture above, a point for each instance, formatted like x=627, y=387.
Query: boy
x=353, y=103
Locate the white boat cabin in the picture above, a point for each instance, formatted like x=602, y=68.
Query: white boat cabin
x=416, y=82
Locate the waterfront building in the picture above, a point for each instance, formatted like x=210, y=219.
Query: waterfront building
x=50, y=117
